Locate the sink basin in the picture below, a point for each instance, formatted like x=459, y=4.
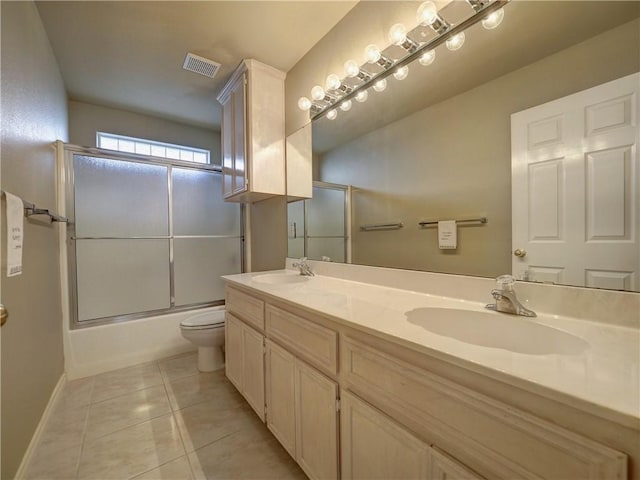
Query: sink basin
x=280, y=278
x=497, y=330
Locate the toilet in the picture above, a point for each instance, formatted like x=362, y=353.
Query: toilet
x=206, y=331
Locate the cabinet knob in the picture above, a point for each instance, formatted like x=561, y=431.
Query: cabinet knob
x=520, y=252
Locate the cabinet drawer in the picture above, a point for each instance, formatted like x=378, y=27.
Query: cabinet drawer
x=492, y=438
x=315, y=343
x=246, y=307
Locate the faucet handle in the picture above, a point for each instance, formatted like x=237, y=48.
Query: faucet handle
x=505, y=282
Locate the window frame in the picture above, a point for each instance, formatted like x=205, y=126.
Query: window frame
x=153, y=143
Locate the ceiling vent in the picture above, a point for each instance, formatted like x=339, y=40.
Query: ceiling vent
x=201, y=65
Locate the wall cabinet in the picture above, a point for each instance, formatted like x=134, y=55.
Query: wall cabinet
x=253, y=138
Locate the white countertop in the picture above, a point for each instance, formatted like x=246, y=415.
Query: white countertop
x=603, y=378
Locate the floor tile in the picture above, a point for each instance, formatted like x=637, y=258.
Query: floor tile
x=74, y=394
x=179, y=366
x=64, y=430
x=207, y=422
x=131, y=451
x=119, y=412
x=187, y=391
x=178, y=469
x=247, y=454
x=127, y=380
x=53, y=465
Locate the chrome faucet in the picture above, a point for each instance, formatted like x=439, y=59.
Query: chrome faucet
x=304, y=267
x=506, y=300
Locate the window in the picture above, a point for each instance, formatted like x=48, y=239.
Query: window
x=140, y=146
x=147, y=236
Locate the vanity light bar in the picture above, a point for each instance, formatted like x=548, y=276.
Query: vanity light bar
x=482, y=9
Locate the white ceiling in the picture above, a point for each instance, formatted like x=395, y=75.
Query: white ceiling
x=129, y=55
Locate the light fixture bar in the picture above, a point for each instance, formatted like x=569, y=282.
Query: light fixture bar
x=477, y=17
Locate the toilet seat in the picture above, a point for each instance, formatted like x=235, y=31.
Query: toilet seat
x=202, y=322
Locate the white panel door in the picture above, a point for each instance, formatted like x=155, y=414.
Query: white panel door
x=575, y=178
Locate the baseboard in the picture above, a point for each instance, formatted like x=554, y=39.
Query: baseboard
x=26, y=458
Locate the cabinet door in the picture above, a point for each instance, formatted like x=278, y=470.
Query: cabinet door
x=375, y=447
x=239, y=136
x=253, y=369
x=227, y=147
x=233, y=350
x=280, y=390
x=443, y=467
x=316, y=423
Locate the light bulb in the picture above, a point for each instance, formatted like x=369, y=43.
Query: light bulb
x=345, y=106
x=401, y=73
x=427, y=58
x=332, y=114
x=397, y=34
x=427, y=13
x=371, y=53
x=380, y=85
x=304, y=104
x=351, y=68
x=455, y=43
x=362, y=96
x=317, y=93
x=493, y=19
x=333, y=82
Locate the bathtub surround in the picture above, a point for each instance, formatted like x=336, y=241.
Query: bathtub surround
x=95, y=350
x=34, y=114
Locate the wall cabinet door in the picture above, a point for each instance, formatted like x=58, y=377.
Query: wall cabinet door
x=316, y=422
x=239, y=172
x=233, y=350
x=375, y=447
x=253, y=139
x=280, y=390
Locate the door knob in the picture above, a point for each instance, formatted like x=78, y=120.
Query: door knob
x=519, y=252
x=4, y=315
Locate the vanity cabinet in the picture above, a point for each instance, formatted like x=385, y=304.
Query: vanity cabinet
x=253, y=136
x=401, y=413
x=373, y=446
x=302, y=411
x=244, y=366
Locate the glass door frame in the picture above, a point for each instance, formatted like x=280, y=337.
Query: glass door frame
x=67, y=177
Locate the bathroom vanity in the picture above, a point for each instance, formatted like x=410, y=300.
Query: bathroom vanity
x=366, y=381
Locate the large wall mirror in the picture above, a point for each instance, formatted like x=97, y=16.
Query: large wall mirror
x=439, y=145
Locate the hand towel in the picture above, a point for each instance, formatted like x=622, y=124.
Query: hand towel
x=15, y=228
x=447, y=235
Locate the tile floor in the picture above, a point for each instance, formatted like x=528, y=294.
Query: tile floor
x=158, y=420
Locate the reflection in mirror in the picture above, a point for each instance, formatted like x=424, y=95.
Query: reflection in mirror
x=441, y=145
x=318, y=228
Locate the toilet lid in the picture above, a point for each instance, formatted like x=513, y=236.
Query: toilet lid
x=204, y=320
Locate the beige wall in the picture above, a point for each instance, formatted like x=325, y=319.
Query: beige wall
x=34, y=114
x=453, y=160
x=86, y=119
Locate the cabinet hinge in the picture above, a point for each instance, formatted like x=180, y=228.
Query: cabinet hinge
x=337, y=404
